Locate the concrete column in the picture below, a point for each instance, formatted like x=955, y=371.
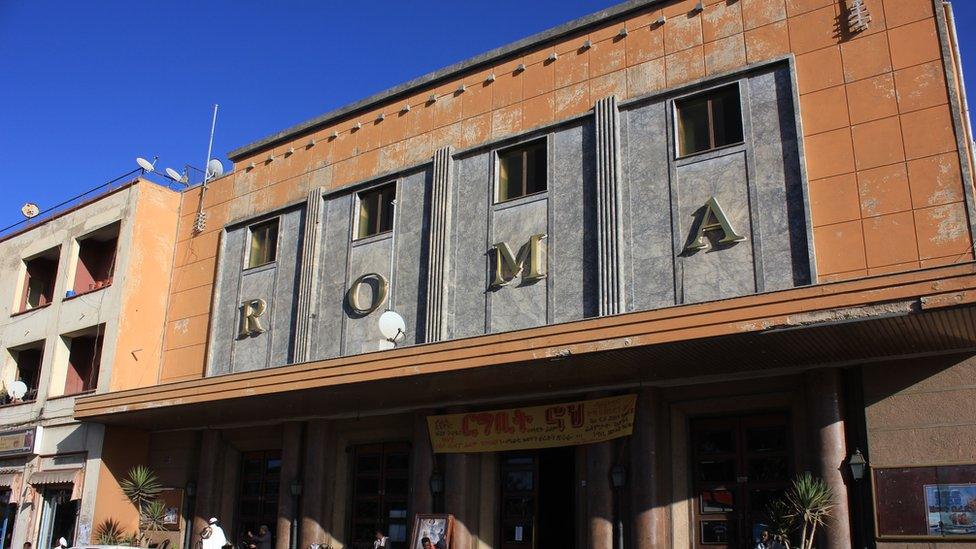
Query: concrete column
x=291, y=456
x=825, y=413
x=313, y=483
x=456, y=495
x=422, y=462
x=599, y=496
x=644, y=476
x=207, y=482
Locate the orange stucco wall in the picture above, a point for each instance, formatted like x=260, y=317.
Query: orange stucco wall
x=144, y=298
x=122, y=449
x=880, y=146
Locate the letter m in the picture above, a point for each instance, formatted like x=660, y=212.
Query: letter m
x=528, y=262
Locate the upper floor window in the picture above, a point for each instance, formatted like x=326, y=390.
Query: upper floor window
x=522, y=171
x=27, y=360
x=40, y=275
x=263, y=247
x=96, y=259
x=376, y=210
x=709, y=120
x=84, y=361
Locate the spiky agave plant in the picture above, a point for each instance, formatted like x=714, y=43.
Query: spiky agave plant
x=153, y=516
x=110, y=532
x=142, y=487
x=779, y=515
x=811, y=502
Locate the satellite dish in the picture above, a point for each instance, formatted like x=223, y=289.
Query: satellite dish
x=18, y=389
x=214, y=168
x=145, y=164
x=30, y=210
x=392, y=325
x=175, y=175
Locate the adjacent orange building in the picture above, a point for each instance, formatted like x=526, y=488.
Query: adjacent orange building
x=646, y=267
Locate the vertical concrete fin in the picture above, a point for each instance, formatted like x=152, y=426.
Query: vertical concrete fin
x=438, y=262
x=307, y=278
x=609, y=228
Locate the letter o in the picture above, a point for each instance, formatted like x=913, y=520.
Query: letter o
x=379, y=293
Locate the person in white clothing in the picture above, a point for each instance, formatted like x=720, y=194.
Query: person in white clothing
x=213, y=536
x=382, y=542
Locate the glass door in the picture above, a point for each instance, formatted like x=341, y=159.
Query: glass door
x=739, y=465
x=58, y=517
x=519, y=499
x=381, y=480
x=258, y=502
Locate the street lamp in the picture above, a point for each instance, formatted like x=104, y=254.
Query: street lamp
x=858, y=464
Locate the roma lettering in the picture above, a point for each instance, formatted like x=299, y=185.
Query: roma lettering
x=380, y=288
x=713, y=219
x=251, y=312
x=528, y=262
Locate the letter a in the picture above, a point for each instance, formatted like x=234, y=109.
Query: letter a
x=713, y=219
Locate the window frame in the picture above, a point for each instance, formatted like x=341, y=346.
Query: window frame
x=276, y=220
x=24, y=304
x=524, y=146
x=710, y=92
x=378, y=190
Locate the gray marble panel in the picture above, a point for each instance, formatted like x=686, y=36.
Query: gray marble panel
x=520, y=304
x=290, y=232
x=571, y=242
x=647, y=213
x=778, y=182
x=413, y=224
x=721, y=270
x=327, y=312
x=361, y=333
x=469, y=244
x=253, y=353
x=226, y=292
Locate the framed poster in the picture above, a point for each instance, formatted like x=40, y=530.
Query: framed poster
x=927, y=502
x=432, y=531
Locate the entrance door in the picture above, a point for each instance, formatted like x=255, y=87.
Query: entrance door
x=258, y=502
x=537, y=498
x=58, y=517
x=9, y=511
x=739, y=464
x=381, y=481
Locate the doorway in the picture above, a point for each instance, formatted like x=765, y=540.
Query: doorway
x=258, y=501
x=739, y=465
x=59, y=514
x=381, y=486
x=537, y=498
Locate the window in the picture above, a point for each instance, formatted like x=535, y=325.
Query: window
x=709, y=120
x=40, y=274
x=84, y=357
x=376, y=210
x=522, y=171
x=257, y=503
x=264, y=244
x=96, y=259
x=28, y=363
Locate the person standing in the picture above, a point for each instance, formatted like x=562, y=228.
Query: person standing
x=382, y=541
x=213, y=536
x=263, y=539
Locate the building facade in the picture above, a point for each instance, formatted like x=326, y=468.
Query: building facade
x=81, y=312
x=651, y=264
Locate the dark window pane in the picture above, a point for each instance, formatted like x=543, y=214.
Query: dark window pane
x=518, y=481
x=387, y=196
x=716, y=471
x=397, y=462
x=368, y=463
x=727, y=116
x=366, y=486
x=396, y=486
x=536, y=168
x=715, y=531
x=376, y=210
x=766, y=439
x=716, y=442
x=768, y=469
x=693, y=126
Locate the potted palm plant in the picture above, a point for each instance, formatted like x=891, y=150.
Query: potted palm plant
x=142, y=488
x=803, y=509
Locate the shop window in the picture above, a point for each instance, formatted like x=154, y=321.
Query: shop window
x=376, y=210
x=58, y=515
x=9, y=518
x=709, y=120
x=28, y=363
x=263, y=247
x=96, y=259
x=40, y=274
x=522, y=171
x=84, y=357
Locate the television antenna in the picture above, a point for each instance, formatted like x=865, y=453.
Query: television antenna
x=212, y=172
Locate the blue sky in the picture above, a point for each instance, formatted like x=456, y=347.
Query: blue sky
x=85, y=87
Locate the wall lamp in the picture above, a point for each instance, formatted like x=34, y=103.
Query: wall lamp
x=296, y=488
x=618, y=476
x=436, y=483
x=858, y=464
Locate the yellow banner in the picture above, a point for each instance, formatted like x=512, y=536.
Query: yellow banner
x=566, y=424
x=15, y=441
